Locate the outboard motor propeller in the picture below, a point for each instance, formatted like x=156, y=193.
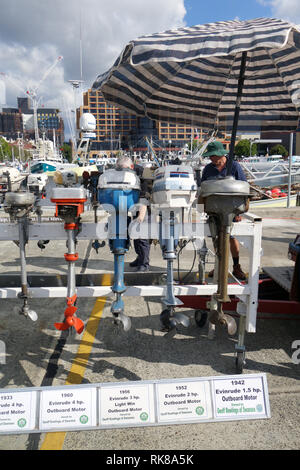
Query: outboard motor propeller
x=118, y=191
x=224, y=198
x=174, y=189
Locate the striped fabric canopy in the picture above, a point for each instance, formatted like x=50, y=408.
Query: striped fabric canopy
x=190, y=75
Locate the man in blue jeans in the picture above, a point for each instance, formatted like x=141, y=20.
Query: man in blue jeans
x=141, y=246
x=217, y=168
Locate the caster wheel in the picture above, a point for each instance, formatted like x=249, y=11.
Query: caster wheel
x=240, y=362
x=165, y=318
x=201, y=318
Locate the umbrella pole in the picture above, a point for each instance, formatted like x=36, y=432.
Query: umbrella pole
x=236, y=112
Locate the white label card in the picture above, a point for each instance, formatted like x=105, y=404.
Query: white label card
x=17, y=411
x=68, y=408
x=183, y=401
x=239, y=398
x=126, y=405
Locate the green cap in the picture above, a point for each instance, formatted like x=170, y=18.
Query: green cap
x=215, y=148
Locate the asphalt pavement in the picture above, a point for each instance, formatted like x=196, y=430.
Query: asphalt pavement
x=39, y=355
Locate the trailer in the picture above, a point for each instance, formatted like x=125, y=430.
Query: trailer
x=278, y=298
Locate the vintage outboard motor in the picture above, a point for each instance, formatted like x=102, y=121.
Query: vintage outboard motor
x=36, y=184
x=18, y=205
x=90, y=182
x=10, y=181
x=118, y=191
x=224, y=198
x=69, y=199
x=174, y=189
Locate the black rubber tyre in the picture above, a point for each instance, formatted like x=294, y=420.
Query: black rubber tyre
x=201, y=317
x=240, y=362
x=165, y=318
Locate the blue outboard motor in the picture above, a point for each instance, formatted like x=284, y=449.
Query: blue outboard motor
x=118, y=191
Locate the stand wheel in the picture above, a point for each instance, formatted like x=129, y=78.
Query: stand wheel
x=165, y=318
x=201, y=318
x=240, y=362
x=167, y=321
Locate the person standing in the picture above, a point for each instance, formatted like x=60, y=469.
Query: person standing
x=217, y=168
x=141, y=246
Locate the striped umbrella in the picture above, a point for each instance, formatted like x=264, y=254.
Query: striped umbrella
x=191, y=75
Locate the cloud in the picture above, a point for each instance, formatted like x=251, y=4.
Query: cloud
x=33, y=33
x=284, y=9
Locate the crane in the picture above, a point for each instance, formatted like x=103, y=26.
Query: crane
x=33, y=93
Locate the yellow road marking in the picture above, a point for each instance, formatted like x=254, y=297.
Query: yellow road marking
x=55, y=440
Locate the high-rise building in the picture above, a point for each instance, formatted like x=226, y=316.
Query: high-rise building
x=114, y=127
x=117, y=129
x=20, y=120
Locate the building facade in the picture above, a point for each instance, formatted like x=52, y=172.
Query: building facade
x=116, y=129
x=14, y=121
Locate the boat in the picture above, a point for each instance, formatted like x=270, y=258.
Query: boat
x=273, y=202
x=274, y=196
x=261, y=163
x=46, y=158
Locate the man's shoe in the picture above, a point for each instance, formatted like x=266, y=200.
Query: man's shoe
x=134, y=263
x=211, y=273
x=238, y=273
x=142, y=269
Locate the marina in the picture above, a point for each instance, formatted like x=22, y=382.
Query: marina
x=143, y=290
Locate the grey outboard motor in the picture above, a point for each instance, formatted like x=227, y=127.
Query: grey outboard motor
x=224, y=198
x=19, y=204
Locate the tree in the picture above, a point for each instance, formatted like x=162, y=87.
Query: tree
x=5, y=150
x=67, y=152
x=242, y=148
x=279, y=149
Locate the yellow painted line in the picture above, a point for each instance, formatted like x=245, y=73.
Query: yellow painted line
x=55, y=440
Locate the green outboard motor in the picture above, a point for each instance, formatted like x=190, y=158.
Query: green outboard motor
x=118, y=191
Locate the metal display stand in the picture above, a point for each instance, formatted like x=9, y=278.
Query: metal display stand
x=248, y=232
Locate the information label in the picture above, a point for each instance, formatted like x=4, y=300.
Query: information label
x=181, y=401
x=239, y=398
x=17, y=411
x=127, y=404
x=141, y=403
x=71, y=408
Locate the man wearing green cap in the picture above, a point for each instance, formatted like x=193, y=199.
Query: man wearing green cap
x=217, y=168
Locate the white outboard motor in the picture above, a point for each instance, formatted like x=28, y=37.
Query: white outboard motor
x=10, y=180
x=36, y=183
x=174, y=189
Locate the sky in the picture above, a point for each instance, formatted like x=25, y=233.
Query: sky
x=90, y=34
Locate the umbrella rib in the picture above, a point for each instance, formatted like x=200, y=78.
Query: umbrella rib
x=278, y=71
x=163, y=84
x=222, y=95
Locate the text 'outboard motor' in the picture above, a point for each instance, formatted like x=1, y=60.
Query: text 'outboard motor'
x=174, y=189
x=118, y=191
x=69, y=199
